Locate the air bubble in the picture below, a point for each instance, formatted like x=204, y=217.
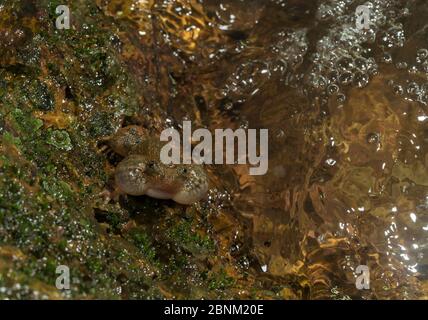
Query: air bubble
x=373, y=138
x=333, y=76
x=398, y=90
x=361, y=79
x=387, y=58
x=413, y=70
x=332, y=89
x=341, y=98
x=345, y=63
x=346, y=78
x=361, y=64
x=319, y=82
x=425, y=67
x=421, y=55
x=413, y=90
x=401, y=65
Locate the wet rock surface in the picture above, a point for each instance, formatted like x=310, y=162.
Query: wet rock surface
x=347, y=183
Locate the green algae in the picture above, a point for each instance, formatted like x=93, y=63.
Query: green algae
x=46, y=186
x=60, y=92
x=190, y=240
x=220, y=281
x=144, y=244
x=59, y=139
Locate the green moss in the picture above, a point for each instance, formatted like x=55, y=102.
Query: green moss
x=25, y=123
x=39, y=96
x=52, y=173
x=176, y=263
x=143, y=242
x=58, y=189
x=220, y=281
x=59, y=139
x=184, y=236
x=9, y=138
x=101, y=124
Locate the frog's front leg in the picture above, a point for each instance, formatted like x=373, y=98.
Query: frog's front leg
x=108, y=195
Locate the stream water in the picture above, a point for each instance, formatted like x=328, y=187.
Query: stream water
x=347, y=116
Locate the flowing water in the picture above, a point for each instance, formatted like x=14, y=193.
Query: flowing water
x=347, y=116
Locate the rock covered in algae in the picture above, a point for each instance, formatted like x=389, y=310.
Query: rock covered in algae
x=61, y=92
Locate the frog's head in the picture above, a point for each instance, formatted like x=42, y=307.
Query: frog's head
x=137, y=175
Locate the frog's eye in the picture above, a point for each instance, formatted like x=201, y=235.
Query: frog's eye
x=183, y=170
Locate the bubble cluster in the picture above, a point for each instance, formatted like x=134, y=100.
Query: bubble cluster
x=350, y=143
x=246, y=80
x=290, y=47
x=414, y=87
x=345, y=56
x=286, y=53
x=411, y=90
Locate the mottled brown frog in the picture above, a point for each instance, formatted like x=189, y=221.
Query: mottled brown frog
x=142, y=173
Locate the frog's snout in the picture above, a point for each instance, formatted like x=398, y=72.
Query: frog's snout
x=136, y=176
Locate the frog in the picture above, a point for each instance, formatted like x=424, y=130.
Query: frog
x=141, y=172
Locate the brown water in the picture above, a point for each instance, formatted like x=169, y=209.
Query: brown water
x=347, y=114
